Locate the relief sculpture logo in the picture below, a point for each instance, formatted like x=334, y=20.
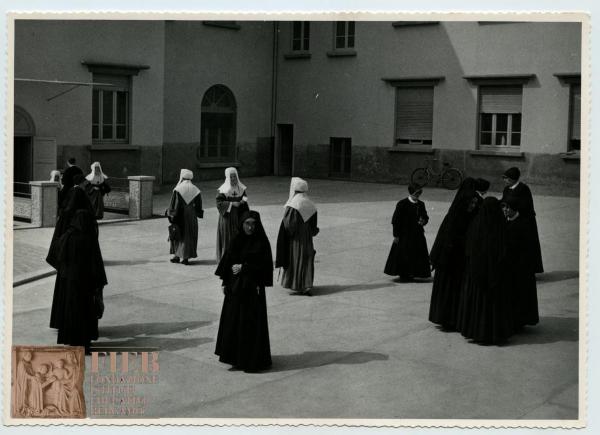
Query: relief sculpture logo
x=47, y=382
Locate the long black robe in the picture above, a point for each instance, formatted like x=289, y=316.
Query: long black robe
x=96, y=193
x=448, y=256
x=521, y=272
x=67, y=182
x=80, y=278
x=243, y=337
x=484, y=313
x=409, y=257
x=527, y=211
x=295, y=250
x=185, y=216
x=228, y=225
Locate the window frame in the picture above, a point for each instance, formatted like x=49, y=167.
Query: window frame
x=103, y=88
x=345, y=157
x=509, y=122
x=203, y=150
x=302, y=38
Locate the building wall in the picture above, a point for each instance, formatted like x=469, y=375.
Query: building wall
x=346, y=96
x=54, y=50
x=200, y=56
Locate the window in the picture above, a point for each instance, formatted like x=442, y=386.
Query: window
x=575, y=118
x=344, y=35
x=414, y=115
x=340, y=156
x=300, y=36
x=218, y=124
x=110, y=108
x=500, y=116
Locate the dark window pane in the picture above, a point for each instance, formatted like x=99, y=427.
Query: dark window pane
x=95, y=104
x=340, y=29
x=486, y=138
x=486, y=122
x=350, y=41
x=107, y=132
x=95, y=131
x=515, y=139
x=296, y=44
x=516, y=122
x=121, y=107
x=225, y=151
x=340, y=42
x=306, y=44
x=297, y=29
x=351, y=28
x=212, y=151
x=574, y=145
x=306, y=35
x=107, y=108
x=501, y=122
x=121, y=132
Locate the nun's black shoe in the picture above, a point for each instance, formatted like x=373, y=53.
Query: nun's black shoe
x=174, y=260
x=187, y=263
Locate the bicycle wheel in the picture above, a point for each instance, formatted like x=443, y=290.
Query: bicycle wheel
x=420, y=176
x=451, y=178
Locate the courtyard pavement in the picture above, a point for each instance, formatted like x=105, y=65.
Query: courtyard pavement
x=361, y=347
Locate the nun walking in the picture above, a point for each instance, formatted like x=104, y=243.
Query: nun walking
x=232, y=202
x=96, y=187
x=184, y=211
x=295, y=249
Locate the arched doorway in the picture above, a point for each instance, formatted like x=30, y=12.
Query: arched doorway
x=24, y=131
x=218, y=125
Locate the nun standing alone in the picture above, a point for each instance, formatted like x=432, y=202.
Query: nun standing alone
x=295, y=249
x=184, y=211
x=232, y=202
x=96, y=187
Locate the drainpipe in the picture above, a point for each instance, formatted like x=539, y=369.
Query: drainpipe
x=274, y=96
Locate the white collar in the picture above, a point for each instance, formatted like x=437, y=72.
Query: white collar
x=510, y=219
x=514, y=185
x=412, y=200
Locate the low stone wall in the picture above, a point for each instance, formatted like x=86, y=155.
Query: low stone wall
x=117, y=200
x=22, y=207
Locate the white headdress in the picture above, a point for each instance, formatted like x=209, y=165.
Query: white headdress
x=230, y=189
x=299, y=200
x=53, y=174
x=96, y=179
x=185, y=187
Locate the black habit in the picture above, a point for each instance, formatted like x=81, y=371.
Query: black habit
x=448, y=256
x=243, y=337
x=523, y=194
x=67, y=183
x=409, y=256
x=80, y=276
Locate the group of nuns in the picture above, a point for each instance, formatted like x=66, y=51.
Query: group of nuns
x=485, y=256
x=245, y=261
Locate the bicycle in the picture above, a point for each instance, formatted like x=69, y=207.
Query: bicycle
x=450, y=177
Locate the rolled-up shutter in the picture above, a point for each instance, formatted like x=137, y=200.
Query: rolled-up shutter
x=501, y=99
x=414, y=113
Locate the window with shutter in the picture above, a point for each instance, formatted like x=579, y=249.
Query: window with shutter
x=414, y=115
x=500, y=115
x=110, y=108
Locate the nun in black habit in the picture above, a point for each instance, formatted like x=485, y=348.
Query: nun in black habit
x=521, y=265
x=484, y=313
x=409, y=257
x=246, y=269
x=77, y=303
x=520, y=190
x=448, y=256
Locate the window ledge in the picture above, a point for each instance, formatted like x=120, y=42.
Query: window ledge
x=208, y=165
x=500, y=79
x=114, y=147
x=297, y=55
x=571, y=156
x=397, y=24
x=346, y=52
x=499, y=153
x=423, y=149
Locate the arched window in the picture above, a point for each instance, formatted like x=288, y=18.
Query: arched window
x=217, y=134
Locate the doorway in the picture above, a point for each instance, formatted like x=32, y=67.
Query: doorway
x=23, y=164
x=285, y=149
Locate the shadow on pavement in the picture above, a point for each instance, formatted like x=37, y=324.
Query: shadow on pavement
x=149, y=343
x=153, y=328
x=549, y=330
x=130, y=262
x=557, y=275
x=305, y=360
x=336, y=288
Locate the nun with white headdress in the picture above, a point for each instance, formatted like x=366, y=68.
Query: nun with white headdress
x=231, y=203
x=184, y=211
x=96, y=187
x=295, y=249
